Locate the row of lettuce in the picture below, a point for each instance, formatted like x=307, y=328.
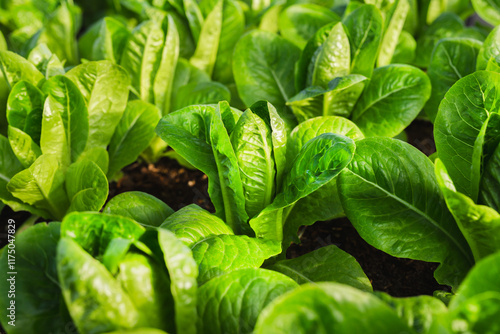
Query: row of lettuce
x=323, y=97
x=105, y=273
x=140, y=267
x=97, y=117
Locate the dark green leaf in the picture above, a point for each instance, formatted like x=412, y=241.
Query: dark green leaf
x=478, y=314
x=483, y=278
x=452, y=59
x=141, y=330
x=306, y=56
x=412, y=19
x=324, y=203
x=200, y=93
x=392, y=100
x=490, y=182
x=268, y=113
x=446, y=25
x=263, y=67
x=318, y=162
x=466, y=126
x=252, y=143
x=3, y=42
x=298, y=23
x=10, y=166
x=95, y=231
x=42, y=186
x=104, y=40
x=164, y=77
x=390, y=194
x=198, y=134
x=405, y=49
x=25, y=109
x=86, y=186
x=59, y=33
x=188, y=45
x=148, y=286
x=185, y=73
x=222, y=28
x=489, y=49
x=150, y=57
x=338, y=99
x=332, y=59
x=418, y=312
x=479, y=224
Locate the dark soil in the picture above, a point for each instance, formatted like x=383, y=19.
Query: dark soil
x=178, y=186
x=420, y=135
x=398, y=277
x=175, y=185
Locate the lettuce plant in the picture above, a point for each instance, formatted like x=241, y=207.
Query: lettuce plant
x=255, y=179
x=104, y=273
x=332, y=71
x=67, y=134
x=150, y=53
x=453, y=212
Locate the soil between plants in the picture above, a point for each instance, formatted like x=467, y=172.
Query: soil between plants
x=178, y=187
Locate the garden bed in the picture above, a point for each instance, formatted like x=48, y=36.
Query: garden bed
x=178, y=186
x=289, y=114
